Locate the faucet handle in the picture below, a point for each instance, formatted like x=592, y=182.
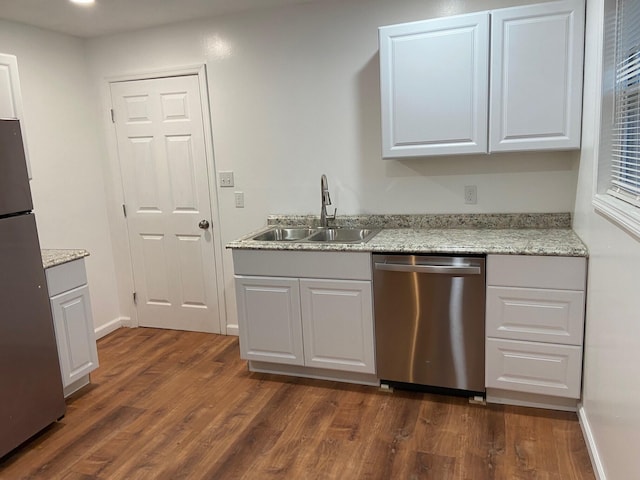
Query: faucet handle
x=333, y=217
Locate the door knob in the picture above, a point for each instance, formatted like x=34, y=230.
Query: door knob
x=204, y=224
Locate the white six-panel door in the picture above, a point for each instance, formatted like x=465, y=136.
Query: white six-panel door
x=162, y=154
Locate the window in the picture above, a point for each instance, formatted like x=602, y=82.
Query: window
x=625, y=168
x=619, y=181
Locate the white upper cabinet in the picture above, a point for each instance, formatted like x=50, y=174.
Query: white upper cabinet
x=11, y=96
x=450, y=87
x=434, y=79
x=536, y=76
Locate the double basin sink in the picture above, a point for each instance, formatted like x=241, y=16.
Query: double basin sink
x=318, y=235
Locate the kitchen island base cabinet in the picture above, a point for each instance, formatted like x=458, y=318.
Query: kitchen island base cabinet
x=73, y=323
x=317, y=324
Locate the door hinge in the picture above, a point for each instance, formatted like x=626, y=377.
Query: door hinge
x=124, y=210
x=113, y=116
x=135, y=297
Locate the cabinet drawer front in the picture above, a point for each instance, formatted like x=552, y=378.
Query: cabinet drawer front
x=272, y=263
x=65, y=277
x=553, y=316
x=534, y=367
x=567, y=273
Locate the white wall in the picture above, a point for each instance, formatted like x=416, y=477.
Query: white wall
x=63, y=134
x=611, y=390
x=295, y=93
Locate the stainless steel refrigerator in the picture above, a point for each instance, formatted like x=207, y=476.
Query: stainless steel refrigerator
x=31, y=395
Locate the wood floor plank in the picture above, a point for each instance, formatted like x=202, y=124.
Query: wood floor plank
x=312, y=409
x=182, y=405
x=484, y=447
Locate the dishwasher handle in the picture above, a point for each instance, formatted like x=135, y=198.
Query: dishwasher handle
x=441, y=269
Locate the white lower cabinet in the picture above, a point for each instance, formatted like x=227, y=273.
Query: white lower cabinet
x=269, y=319
x=73, y=323
x=313, y=321
x=337, y=319
x=534, y=328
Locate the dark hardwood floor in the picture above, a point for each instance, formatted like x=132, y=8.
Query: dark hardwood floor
x=178, y=405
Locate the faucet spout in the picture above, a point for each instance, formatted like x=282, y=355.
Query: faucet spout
x=326, y=200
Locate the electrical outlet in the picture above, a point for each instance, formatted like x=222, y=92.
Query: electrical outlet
x=239, y=199
x=226, y=179
x=470, y=194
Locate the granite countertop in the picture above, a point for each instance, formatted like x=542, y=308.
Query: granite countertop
x=53, y=257
x=511, y=234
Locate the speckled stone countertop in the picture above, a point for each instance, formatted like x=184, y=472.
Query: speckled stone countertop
x=53, y=257
x=511, y=234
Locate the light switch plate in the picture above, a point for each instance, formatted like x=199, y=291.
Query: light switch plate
x=226, y=179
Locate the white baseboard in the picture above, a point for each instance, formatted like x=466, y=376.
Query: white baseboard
x=116, y=323
x=112, y=326
x=233, y=330
x=598, y=469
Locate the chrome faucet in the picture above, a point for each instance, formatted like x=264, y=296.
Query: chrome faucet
x=326, y=200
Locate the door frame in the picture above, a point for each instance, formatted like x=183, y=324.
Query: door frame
x=122, y=247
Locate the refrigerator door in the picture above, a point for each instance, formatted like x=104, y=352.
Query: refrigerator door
x=30, y=381
x=15, y=194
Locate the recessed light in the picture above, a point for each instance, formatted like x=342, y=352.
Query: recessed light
x=83, y=2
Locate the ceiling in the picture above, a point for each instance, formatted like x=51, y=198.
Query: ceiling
x=115, y=16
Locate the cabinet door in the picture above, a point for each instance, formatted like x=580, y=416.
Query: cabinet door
x=536, y=76
x=11, y=97
x=269, y=319
x=337, y=318
x=434, y=82
x=75, y=334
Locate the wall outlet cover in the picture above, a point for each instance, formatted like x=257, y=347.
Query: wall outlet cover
x=470, y=194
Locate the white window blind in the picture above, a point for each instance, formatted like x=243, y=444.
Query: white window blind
x=625, y=141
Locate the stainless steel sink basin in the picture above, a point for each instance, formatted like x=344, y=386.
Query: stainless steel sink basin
x=317, y=235
x=343, y=235
x=285, y=234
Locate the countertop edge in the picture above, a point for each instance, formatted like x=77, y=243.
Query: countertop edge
x=52, y=257
x=539, y=241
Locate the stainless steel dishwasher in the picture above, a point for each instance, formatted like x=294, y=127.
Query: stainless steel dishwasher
x=429, y=320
